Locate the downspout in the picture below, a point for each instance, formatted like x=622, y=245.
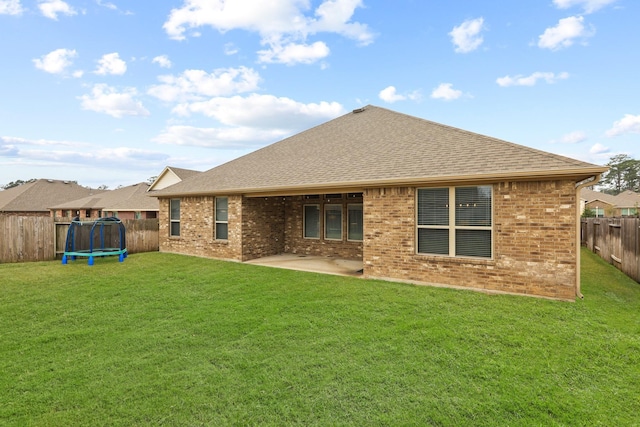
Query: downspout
x=579, y=186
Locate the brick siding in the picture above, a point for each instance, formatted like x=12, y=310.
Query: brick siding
x=534, y=241
x=534, y=231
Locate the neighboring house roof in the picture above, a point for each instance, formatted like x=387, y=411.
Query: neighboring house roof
x=590, y=196
x=131, y=198
x=171, y=175
x=375, y=146
x=626, y=199
x=38, y=195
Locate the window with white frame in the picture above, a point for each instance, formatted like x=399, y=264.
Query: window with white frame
x=222, y=218
x=311, y=220
x=599, y=212
x=333, y=222
x=354, y=222
x=455, y=221
x=174, y=217
x=628, y=211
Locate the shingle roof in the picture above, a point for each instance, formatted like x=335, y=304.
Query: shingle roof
x=626, y=199
x=38, y=195
x=376, y=146
x=130, y=198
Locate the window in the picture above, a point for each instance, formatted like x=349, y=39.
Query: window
x=462, y=228
x=138, y=215
x=222, y=218
x=333, y=222
x=311, y=220
x=628, y=211
x=599, y=212
x=354, y=222
x=174, y=217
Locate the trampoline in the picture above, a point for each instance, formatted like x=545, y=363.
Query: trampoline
x=99, y=238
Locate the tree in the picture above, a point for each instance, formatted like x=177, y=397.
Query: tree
x=16, y=183
x=623, y=174
x=588, y=213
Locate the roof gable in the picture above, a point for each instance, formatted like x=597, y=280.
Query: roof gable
x=169, y=176
x=374, y=146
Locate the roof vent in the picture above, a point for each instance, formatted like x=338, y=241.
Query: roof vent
x=358, y=110
x=49, y=180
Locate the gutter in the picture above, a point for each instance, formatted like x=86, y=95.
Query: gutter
x=353, y=186
x=579, y=186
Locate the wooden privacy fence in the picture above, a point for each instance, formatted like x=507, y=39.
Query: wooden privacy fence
x=33, y=238
x=616, y=240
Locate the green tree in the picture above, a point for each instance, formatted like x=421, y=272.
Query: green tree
x=588, y=213
x=623, y=174
x=16, y=183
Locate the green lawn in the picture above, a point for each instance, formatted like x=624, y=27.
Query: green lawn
x=171, y=340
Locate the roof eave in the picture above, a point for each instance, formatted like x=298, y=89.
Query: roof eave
x=576, y=174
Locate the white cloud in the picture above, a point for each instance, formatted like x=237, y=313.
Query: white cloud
x=51, y=8
x=390, y=95
x=10, y=7
x=574, y=137
x=628, y=124
x=531, y=80
x=599, y=149
x=230, y=49
x=107, y=100
x=162, y=60
x=280, y=23
x=231, y=137
x=589, y=6
x=111, y=63
x=56, y=61
x=193, y=85
x=564, y=34
x=466, y=36
x=294, y=53
x=263, y=111
x=446, y=91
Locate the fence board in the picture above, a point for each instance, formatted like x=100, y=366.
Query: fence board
x=616, y=240
x=33, y=238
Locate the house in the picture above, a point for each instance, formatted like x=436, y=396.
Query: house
x=131, y=202
x=415, y=201
x=34, y=198
x=608, y=205
x=171, y=175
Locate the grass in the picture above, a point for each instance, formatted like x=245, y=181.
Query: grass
x=171, y=340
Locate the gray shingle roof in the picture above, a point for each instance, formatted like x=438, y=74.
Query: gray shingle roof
x=626, y=199
x=39, y=195
x=376, y=146
x=130, y=198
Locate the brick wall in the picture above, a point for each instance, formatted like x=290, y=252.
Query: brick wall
x=263, y=224
x=295, y=242
x=534, y=241
x=197, y=229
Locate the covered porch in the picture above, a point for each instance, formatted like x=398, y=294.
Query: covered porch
x=312, y=263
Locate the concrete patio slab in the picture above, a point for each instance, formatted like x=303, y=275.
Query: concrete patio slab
x=315, y=264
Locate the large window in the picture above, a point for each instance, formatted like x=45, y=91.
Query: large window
x=174, y=217
x=311, y=222
x=222, y=218
x=333, y=222
x=455, y=221
x=354, y=222
x=628, y=211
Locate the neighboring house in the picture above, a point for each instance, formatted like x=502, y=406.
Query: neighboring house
x=34, y=198
x=131, y=202
x=607, y=205
x=171, y=175
x=415, y=200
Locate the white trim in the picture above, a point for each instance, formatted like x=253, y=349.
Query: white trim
x=217, y=221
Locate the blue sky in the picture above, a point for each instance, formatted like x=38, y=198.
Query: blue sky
x=110, y=92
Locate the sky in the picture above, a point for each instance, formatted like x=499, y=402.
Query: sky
x=110, y=92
